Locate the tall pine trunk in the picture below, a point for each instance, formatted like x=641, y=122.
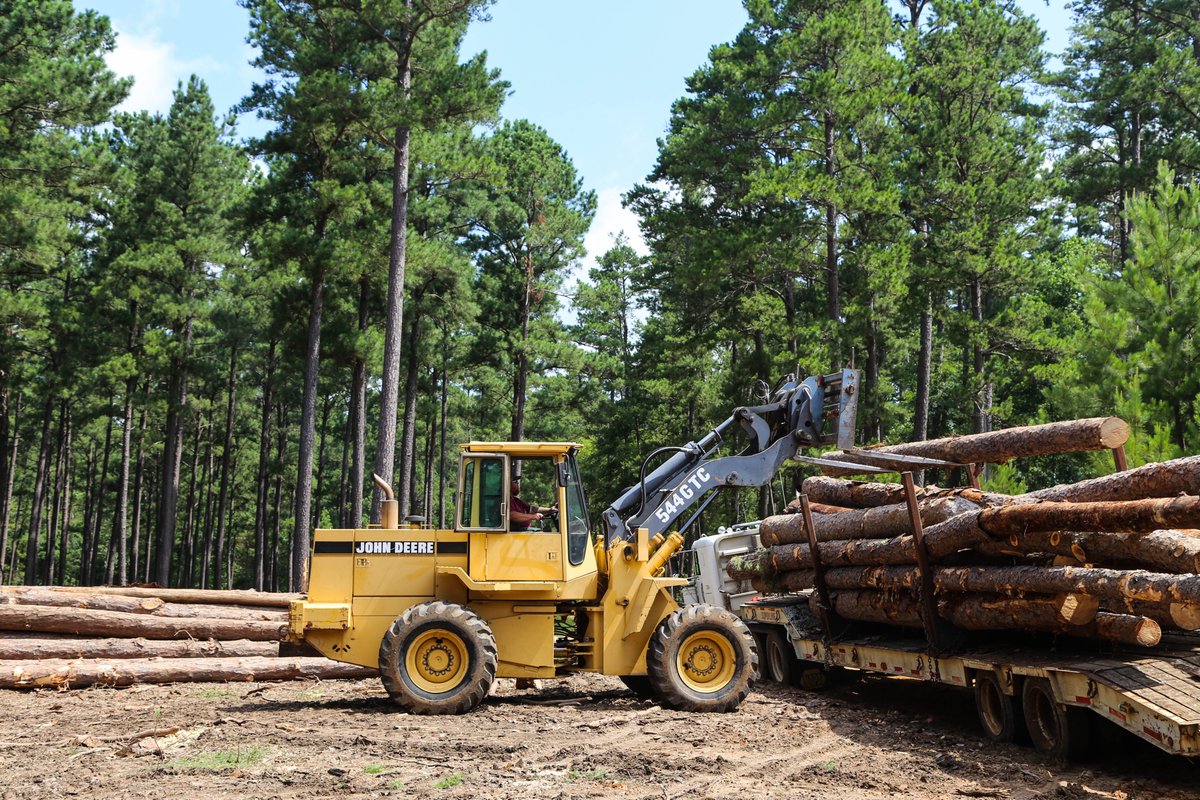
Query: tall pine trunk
x=33, y=540
x=120, y=520
x=172, y=460
x=263, y=478
x=138, y=482
x=223, y=502
x=358, y=416
x=389, y=395
x=189, y=520
x=404, y=491
x=302, y=530
x=521, y=372
x=9, y=457
x=56, y=502
x=831, y=247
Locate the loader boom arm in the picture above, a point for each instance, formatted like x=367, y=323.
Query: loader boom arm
x=794, y=417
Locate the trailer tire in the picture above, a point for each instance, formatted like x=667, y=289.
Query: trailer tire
x=776, y=659
x=438, y=658
x=999, y=713
x=701, y=658
x=1055, y=729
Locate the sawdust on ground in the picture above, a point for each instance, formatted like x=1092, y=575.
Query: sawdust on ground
x=582, y=737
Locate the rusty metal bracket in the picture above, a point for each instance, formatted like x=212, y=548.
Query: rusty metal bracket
x=824, y=606
x=929, y=617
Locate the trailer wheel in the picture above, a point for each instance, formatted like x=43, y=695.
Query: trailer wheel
x=999, y=715
x=701, y=658
x=779, y=660
x=438, y=658
x=1055, y=729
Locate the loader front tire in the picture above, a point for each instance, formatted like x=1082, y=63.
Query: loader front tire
x=438, y=658
x=701, y=658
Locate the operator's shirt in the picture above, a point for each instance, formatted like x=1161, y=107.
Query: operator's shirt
x=517, y=504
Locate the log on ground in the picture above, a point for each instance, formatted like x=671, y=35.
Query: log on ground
x=70, y=648
x=83, y=621
x=43, y=596
x=1068, y=436
x=243, y=597
x=127, y=672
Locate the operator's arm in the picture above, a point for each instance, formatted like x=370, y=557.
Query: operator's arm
x=523, y=517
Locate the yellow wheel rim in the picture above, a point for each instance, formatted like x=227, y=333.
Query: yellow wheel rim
x=436, y=661
x=706, y=662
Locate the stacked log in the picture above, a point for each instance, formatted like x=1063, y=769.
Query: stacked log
x=1114, y=558
x=71, y=637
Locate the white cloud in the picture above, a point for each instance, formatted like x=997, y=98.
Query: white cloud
x=611, y=219
x=155, y=68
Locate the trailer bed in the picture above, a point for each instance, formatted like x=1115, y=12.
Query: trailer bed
x=1154, y=693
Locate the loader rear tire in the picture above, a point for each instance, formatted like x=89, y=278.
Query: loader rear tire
x=438, y=658
x=701, y=658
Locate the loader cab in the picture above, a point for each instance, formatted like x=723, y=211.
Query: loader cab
x=560, y=548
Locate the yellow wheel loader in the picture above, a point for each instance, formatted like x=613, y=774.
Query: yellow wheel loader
x=443, y=613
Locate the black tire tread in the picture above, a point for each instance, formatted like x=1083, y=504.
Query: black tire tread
x=662, y=671
x=464, y=622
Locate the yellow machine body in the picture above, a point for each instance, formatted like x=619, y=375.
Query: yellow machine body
x=609, y=601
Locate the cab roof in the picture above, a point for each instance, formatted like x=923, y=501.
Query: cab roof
x=527, y=449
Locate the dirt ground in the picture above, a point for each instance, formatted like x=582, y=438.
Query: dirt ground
x=586, y=737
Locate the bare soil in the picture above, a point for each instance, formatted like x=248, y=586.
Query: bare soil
x=584, y=737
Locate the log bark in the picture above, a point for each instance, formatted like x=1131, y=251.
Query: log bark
x=1106, y=584
x=89, y=622
x=1162, y=551
x=855, y=494
x=43, y=648
x=1059, y=613
x=1069, y=436
x=1126, y=629
x=1131, y=584
x=38, y=596
x=887, y=608
x=1173, y=616
x=1126, y=515
x=1165, y=479
x=881, y=522
x=127, y=672
x=242, y=597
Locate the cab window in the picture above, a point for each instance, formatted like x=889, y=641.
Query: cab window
x=483, y=493
x=576, y=516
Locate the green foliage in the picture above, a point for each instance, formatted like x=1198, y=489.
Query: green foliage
x=449, y=782
x=219, y=760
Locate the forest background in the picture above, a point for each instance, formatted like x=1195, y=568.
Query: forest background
x=209, y=343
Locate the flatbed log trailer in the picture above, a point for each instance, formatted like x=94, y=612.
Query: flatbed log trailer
x=1057, y=685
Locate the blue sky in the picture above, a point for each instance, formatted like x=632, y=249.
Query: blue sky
x=600, y=77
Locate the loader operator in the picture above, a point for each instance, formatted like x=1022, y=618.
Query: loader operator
x=521, y=514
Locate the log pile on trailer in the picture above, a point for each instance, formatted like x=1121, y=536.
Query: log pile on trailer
x=71, y=637
x=1114, y=558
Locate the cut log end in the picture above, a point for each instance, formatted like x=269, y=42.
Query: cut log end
x=1114, y=432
